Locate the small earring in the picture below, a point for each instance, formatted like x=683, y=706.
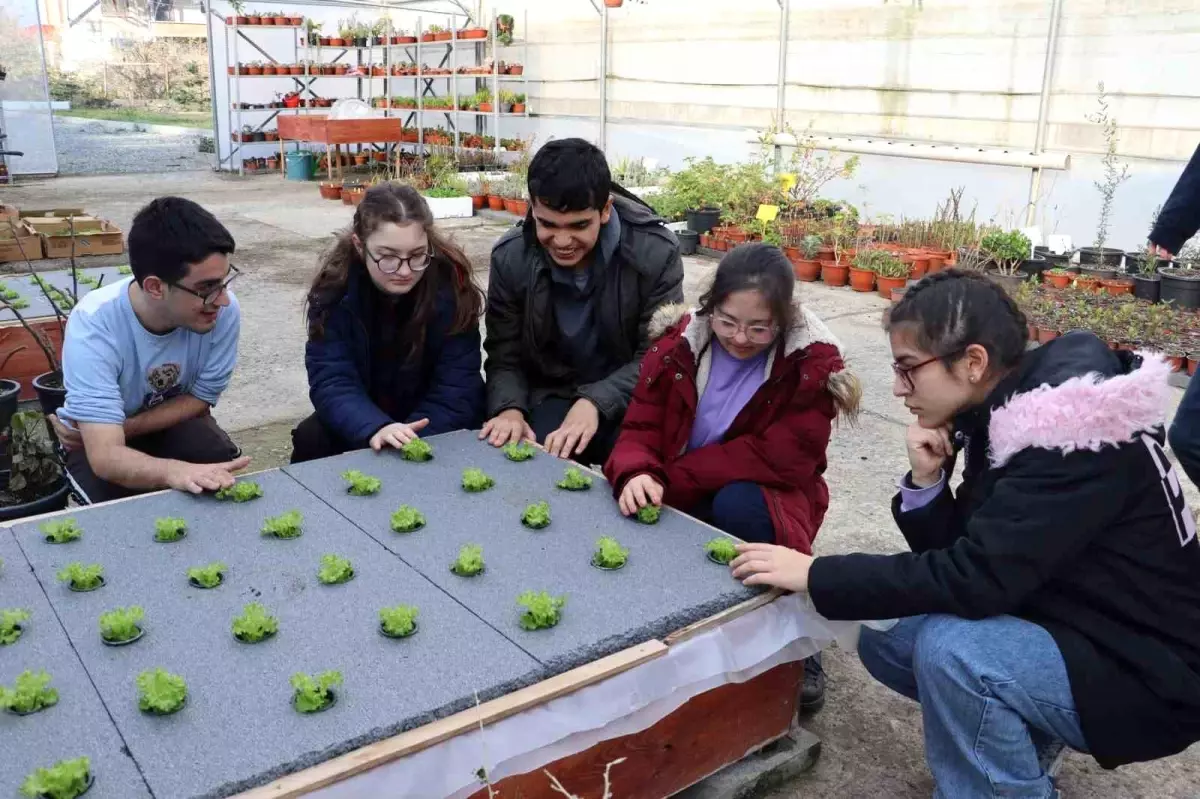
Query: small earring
x=974, y=379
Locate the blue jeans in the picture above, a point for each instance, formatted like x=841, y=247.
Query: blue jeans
x=739, y=509
x=1185, y=431
x=992, y=693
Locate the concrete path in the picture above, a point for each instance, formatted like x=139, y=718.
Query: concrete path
x=871, y=738
x=92, y=147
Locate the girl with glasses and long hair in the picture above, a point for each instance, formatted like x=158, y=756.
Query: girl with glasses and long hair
x=394, y=348
x=733, y=411
x=1051, y=599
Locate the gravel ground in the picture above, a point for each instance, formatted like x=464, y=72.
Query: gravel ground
x=87, y=148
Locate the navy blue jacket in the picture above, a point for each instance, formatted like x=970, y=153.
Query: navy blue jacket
x=444, y=385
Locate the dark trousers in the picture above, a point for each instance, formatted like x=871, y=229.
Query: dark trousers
x=739, y=509
x=1185, y=431
x=548, y=417
x=198, y=440
x=312, y=440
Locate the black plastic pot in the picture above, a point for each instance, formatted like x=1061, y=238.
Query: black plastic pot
x=126, y=642
x=702, y=220
x=596, y=565
x=1035, y=266
x=688, y=241
x=95, y=587
x=9, y=395
x=1146, y=288
x=1104, y=257
x=262, y=640
x=1053, y=260
x=714, y=560
x=1181, y=290
x=55, y=500
x=408, y=634
x=360, y=41
x=195, y=584
x=332, y=701
x=51, y=392
x=182, y=705
x=91, y=780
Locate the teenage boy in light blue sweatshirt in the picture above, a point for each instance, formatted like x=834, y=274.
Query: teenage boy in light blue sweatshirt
x=146, y=358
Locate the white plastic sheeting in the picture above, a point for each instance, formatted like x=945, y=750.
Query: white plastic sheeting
x=25, y=113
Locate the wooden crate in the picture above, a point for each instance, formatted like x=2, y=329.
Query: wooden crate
x=26, y=245
x=42, y=212
x=62, y=225
x=110, y=241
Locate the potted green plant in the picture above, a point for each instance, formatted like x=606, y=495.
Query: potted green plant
x=574, y=480
x=891, y=275
x=475, y=480
x=1100, y=261
x=335, y=570
x=505, y=25
x=418, y=451
x=30, y=694
x=81, y=578
x=862, y=274
x=255, y=624
x=66, y=779
x=398, y=622
x=542, y=611
x=609, y=554
x=121, y=626
x=536, y=516
x=169, y=530
x=241, y=491
x=649, y=514
x=10, y=625
x=519, y=451
x=361, y=485
x=469, y=562
x=161, y=693
x=315, y=694
x=35, y=482
x=207, y=577
x=1007, y=251
x=61, y=531
x=807, y=268
x=284, y=526
x=721, y=550
x=407, y=519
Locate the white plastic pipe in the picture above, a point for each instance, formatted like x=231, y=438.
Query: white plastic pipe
x=931, y=152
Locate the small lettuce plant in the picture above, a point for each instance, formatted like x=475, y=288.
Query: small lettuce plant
x=66, y=779
x=334, y=570
x=81, y=577
x=255, y=624
x=519, y=451
x=407, y=519
x=169, y=529
x=474, y=480
x=209, y=576
x=542, y=611
x=649, y=514
x=469, y=561
x=361, y=485
x=536, y=516
x=31, y=693
x=62, y=531
x=10, y=624
x=285, y=525
x=314, y=694
x=121, y=624
x=574, y=480
x=417, y=450
x=241, y=491
x=609, y=553
x=160, y=692
x=398, y=622
x=721, y=550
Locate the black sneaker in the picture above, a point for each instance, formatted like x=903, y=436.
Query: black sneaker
x=812, y=693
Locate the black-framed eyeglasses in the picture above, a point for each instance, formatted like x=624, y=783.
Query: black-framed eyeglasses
x=390, y=264
x=905, y=373
x=210, y=297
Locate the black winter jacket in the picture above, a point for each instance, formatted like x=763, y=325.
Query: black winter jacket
x=1180, y=217
x=524, y=363
x=1069, y=516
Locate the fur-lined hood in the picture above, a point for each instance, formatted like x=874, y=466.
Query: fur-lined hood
x=808, y=330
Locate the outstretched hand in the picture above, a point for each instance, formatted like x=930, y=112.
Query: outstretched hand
x=396, y=435
x=768, y=564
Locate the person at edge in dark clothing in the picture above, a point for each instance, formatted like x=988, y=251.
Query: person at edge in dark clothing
x=393, y=333
x=1053, y=600
x=733, y=411
x=571, y=293
x=1176, y=223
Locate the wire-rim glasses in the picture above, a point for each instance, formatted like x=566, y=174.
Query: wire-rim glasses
x=210, y=297
x=756, y=334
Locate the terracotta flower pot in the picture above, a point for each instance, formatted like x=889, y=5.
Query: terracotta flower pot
x=331, y=191
x=919, y=266
x=381, y=156
x=1032, y=331
x=253, y=20
x=478, y=201
x=1045, y=335
x=807, y=271
x=736, y=236
x=1087, y=283
x=887, y=284
x=835, y=274
x=1115, y=287
x=861, y=279
x=1191, y=364
x=232, y=70
x=937, y=262
x=353, y=196
x=272, y=163
x=486, y=108
x=254, y=70
x=1057, y=281
x=473, y=33
x=518, y=108
x=521, y=207
x=267, y=21
x=510, y=205
x=336, y=42
x=360, y=159
x=495, y=203
x=516, y=69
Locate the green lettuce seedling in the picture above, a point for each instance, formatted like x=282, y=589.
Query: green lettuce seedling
x=536, y=516
x=335, y=569
x=66, y=779
x=169, y=529
x=31, y=693
x=62, y=531
x=469, y=561
x=313, y=694
x=609, y=553
x=417, y=450
x=161, y=692
x=125, y=270
x=20, y=303
x=721, y=550
x=649, y=514
x=541, y=610
x=209, y=576
x=241, y=491
x=254, y=624
x=407, y=519
x=399, y=621
x=285, y=525
x=361, y=485
x=82, y=578
x=121, y=624
x=519, y=451
x=10, y=624
x=574, y=480
x=474, y=480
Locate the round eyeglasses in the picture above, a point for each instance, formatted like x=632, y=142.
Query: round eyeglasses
x=757, y=334
x=390, y=264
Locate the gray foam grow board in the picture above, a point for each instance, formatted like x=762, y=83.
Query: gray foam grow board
x=667, y=584
x=78, y=725
x=238, y=728
x=60, y=279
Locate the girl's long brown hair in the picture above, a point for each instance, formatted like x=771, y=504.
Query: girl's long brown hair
x=400, y=204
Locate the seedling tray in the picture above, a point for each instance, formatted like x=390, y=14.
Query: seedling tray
x=38, y=304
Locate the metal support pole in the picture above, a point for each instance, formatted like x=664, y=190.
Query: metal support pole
x=604, y=77
x=1039, y=137
x=781, y=78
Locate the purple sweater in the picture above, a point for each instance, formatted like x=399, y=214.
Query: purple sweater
x=731, y=384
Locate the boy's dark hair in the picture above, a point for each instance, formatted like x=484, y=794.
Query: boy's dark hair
x=758, y=267
x=569, y=175
x=954, y=309
x=170, y=234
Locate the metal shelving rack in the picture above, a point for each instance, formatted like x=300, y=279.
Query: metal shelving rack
x=424, y=85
